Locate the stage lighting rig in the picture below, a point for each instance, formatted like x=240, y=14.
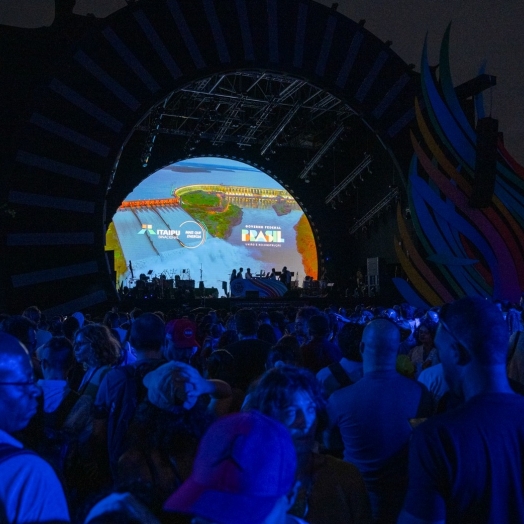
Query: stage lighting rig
x=280, y=127
x=321, y=152
x=357, y=172
x=394, y=194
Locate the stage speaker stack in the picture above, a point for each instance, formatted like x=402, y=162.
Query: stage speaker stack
x=375, y=270
x=486, y=163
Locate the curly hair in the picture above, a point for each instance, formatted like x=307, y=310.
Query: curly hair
x=276, y=387
x=106, y=349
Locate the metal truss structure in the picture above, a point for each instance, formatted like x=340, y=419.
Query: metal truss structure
x=356, y=172
x=257, y=109
x=394, y=194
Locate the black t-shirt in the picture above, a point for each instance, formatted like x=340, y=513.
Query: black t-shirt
x=250, y=356
x=467, y=465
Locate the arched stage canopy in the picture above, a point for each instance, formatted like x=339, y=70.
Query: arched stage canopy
x=289, y=86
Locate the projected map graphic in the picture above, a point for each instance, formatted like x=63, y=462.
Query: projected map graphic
x=214, y=215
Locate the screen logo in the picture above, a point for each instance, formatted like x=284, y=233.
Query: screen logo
x=147, y=228
x=259, y=235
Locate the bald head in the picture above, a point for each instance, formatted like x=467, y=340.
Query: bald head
x=380, y=342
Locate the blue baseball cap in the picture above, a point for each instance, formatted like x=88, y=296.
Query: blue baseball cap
x=245, y=463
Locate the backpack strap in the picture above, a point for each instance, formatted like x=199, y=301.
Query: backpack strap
x=340, y=374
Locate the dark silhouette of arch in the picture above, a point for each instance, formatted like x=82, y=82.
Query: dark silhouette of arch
x=101, y=84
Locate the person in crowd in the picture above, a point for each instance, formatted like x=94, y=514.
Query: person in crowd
x=24, y=329
x=220, y=365
x=433, y=378
x=180, y=340
x=80, y=318
x=301, y=325
x=349, y=368
x=56, y=360
x=70, y=326
x=267, y=333
x=319, y=352
x=373, y=418
x=211, y=340
x=277, y=321
x=331, y=490
x=467, y=465
x=244, y=473
x=424, y=355
x=272, y=319
x=122, y=390
x=289, y=348
x=162, y=439
x=249, y=353
x=112, y=321
x=34, y=314
x=229, y=336
x=97, y=350
x=29, y=489
x=64, y=409
x=58, y=430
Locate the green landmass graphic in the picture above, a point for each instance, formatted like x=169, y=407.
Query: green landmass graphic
x=209, y=209
x=282, y=208
x=201, y=199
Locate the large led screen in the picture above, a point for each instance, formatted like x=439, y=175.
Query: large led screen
x=203, y=217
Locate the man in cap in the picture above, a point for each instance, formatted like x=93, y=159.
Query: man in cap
x=180, y=341
x=467, y=465
x=29, y=488
x=244, y=473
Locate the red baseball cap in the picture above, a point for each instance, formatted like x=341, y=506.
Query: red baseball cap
x=182, y=332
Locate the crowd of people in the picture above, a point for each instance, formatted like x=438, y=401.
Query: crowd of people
x=266, y=416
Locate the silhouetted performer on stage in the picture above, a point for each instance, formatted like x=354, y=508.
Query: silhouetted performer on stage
x=285, y=277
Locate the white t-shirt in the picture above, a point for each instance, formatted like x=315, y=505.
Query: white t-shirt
x=433, y=379
x=29, y=488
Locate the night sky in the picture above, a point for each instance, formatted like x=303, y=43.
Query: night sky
x=482, y=30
